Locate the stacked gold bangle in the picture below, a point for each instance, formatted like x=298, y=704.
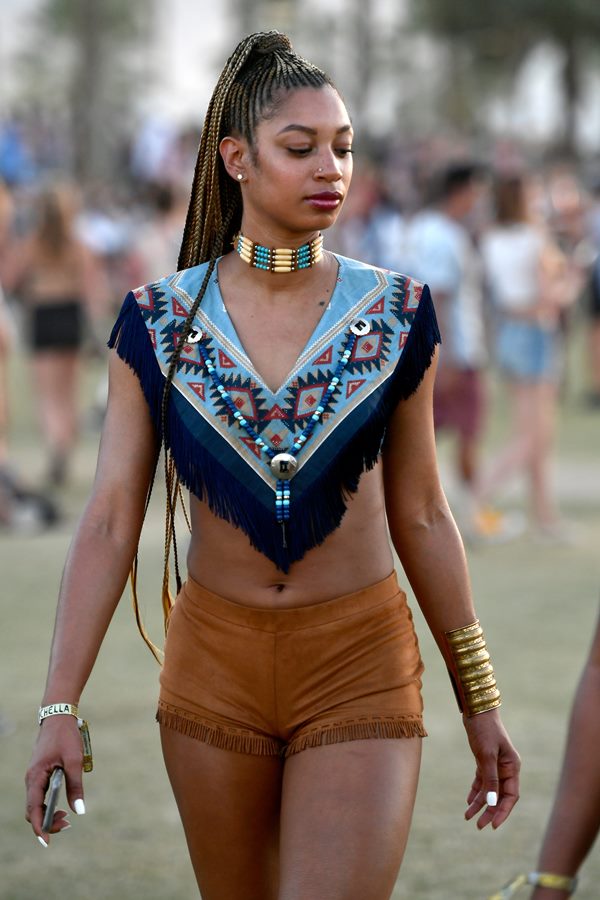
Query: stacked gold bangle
x=471, y=670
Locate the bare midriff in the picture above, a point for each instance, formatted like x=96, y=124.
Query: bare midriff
x=354, y=556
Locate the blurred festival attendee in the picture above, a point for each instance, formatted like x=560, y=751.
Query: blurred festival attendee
x=21, y=507
x=575, y=818
x=440, y=250
x=57, y=277
x=372, y=228
x=593, y=331
x=155, y=246
x=594, y=336
x=531, y=284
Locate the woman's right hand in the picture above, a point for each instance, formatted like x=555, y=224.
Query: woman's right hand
x=58, y=744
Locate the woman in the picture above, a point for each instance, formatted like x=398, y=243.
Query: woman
x=574, y=822
x=59, y=280
x=530, y=285
x=291, y=667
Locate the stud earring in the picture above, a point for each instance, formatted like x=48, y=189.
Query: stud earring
x=240, y=176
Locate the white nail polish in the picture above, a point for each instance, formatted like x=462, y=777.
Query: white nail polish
x=491, y=798
x=79, y=807
x=42, y=841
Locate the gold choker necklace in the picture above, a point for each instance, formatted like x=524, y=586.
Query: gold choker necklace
x=279, y=259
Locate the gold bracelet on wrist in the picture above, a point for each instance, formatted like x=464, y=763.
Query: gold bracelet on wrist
x=71, y=709
x=471, y=670
x=536, y=879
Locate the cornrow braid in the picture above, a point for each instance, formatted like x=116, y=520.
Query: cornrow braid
x=262, y=69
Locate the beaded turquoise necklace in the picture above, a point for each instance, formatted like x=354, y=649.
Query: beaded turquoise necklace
x=278, y=259
x=283, y=464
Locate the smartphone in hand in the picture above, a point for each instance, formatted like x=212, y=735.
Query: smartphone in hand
x=56, y=780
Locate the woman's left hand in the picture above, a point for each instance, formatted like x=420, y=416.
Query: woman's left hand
x=497, y=772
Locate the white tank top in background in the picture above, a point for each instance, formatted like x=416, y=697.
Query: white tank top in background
x=511, y=257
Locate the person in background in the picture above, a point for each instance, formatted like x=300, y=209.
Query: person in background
x=574, y=822
x=21, y=507
x=440, y=250
x=372, y=228
x=593, y=331
x=59, y=280
x=531, y=285
x=593, y=398
x=155, y=246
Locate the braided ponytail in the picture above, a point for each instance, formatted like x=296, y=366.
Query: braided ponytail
x=262, y=69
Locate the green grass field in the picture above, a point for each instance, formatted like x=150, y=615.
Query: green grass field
x=538, y=604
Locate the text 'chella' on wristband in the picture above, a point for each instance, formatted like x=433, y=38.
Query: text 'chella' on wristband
x=471, y=670
x=71, y=709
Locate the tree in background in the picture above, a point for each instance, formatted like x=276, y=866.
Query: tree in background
x=490, y=40
x=83, y=66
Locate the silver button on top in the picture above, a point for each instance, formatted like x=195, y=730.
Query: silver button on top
x=360, y=327
x=194, y=336
x=284, y=466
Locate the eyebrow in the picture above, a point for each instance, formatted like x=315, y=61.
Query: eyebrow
x=312, y=131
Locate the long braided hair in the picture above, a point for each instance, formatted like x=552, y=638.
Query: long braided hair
x=262, y=69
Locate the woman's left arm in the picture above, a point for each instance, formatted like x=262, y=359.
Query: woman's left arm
x=431, y=551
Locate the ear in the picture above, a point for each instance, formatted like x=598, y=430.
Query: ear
x=235, y=155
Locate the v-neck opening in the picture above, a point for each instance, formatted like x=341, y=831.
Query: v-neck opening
x=215, y=284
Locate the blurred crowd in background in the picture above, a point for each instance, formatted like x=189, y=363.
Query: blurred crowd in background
x=506, y=233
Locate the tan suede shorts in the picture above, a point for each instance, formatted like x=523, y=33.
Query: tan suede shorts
x=276, y=681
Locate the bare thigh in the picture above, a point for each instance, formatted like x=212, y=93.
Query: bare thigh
x=229, y=806
x=56, y=384
x=345, y=817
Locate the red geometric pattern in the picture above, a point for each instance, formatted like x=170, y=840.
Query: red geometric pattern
x=198, y=388
x=275, y=412
x=243, y=400
x=353, y=386
x=307, y=400
x=367, y=348
x=178, y=309
x=152, y=333
x=225, y=362
x=325, y=358
x=376, y=309
x=402, y=341
x=251, y=446
x=149, y=304
x=412, y=297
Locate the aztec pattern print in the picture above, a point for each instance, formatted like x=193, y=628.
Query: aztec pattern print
x=205, y=438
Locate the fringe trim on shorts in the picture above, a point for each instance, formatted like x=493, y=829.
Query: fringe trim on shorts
x=235, y=740
x=261, y=745
x=357, y=730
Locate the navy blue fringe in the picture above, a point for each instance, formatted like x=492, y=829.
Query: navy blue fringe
x=322, y=501
x=130, y=338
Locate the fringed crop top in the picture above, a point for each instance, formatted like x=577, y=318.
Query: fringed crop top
x=279, y=466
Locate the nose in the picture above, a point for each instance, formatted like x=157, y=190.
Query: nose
x=329, y=168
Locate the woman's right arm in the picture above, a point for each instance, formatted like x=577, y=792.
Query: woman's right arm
x=94, y=578
x=575, y=819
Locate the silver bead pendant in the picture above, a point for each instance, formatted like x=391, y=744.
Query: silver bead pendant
x=284, y=466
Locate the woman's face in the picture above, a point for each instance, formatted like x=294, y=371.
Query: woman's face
x=298, y=173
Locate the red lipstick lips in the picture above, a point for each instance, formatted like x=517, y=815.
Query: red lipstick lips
x=325, y=200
